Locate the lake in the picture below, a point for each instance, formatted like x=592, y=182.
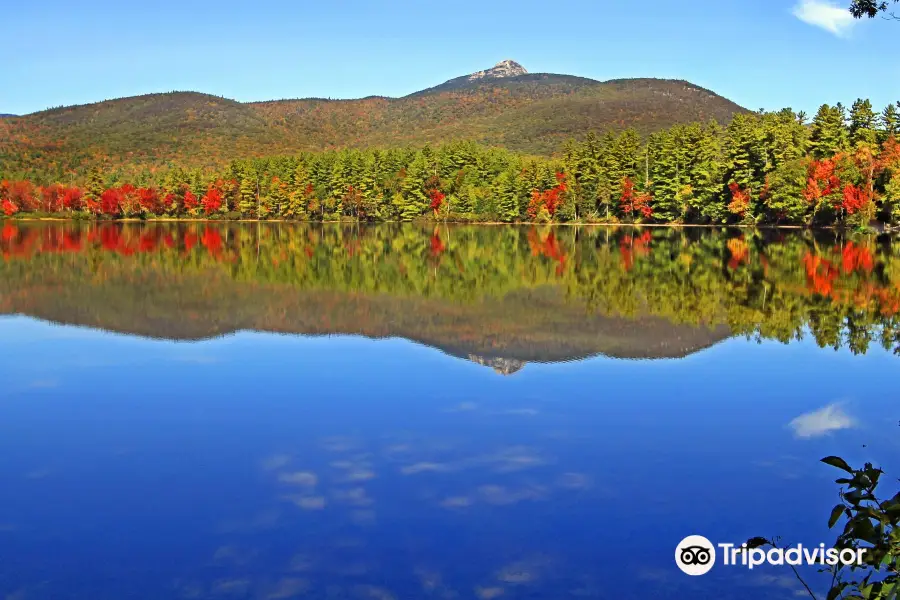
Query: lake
x=285, y=411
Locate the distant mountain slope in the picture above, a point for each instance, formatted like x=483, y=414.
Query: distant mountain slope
x=504, y=105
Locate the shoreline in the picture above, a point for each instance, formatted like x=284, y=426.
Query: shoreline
x=4, y=218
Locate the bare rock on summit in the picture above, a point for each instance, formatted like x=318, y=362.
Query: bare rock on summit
x=504, y=68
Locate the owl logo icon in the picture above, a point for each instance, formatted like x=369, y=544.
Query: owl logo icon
x=695, y=555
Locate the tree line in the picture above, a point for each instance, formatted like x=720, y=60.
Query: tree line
x=842, y=167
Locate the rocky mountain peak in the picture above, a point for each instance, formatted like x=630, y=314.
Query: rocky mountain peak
x=504, y=68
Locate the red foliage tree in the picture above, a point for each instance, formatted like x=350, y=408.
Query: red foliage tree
x=72, y=198
x=642, y=204
x=822, y=181
x=853, y=199
x=129, y=200
x=626, y=201
x=148, y=200
x=21, y=193
x=111, y=202
x=437, y=199
x=58, y=197
x=51, y=197
x=190, y=200
x=92, y=205
x=740, y=200
x=170, y=202
x=549, y=199
x=8, y=207
x=212, y=200
x=889, y=158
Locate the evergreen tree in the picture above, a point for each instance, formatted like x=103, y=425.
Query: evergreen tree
x=889, y=122
x=506, y=197
x=279, y=195
x=785, y=201
x=829, y=133
x=249, y=189
x=95, y=185
x=746, y=159
x=863, y=123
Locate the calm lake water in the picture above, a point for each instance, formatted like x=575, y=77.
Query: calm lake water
x=279, y=411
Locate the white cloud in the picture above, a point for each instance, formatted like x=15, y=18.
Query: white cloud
x=831, y=18
x=821, y=422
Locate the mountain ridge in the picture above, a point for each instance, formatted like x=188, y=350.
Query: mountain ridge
x=508, y=70
x=503, y=106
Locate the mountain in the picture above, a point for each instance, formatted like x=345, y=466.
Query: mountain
x=504, y=106
x=502, y=70
x=5, y=115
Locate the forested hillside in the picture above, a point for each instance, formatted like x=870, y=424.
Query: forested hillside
x=839, y=169
x=530, y=113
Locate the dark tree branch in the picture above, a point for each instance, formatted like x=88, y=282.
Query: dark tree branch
x=871, y=9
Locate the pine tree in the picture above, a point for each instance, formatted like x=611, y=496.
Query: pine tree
x=279, y=194
x=785, y=201
x=624, y=160
x=506, y=198
x=668, y=171
x=415, y=184
x=829, y=132
x=746, y=159
x=370, y=184
x=249, y=189
x=784, y=139
x=299, y=192
x=863, y=123
x=707, y=173
x=95, y=185
x=889, y=122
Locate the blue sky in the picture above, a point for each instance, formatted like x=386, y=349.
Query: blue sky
x=760, y=53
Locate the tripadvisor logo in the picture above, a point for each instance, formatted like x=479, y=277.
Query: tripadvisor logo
x=696, y=555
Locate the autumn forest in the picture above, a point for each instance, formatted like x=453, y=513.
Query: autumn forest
x=839, y=168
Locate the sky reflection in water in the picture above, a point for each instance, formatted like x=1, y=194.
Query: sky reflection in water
x=256, y=465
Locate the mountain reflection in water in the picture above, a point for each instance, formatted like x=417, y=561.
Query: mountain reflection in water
x=500, y=296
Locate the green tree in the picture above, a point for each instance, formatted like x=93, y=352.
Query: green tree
x=249, y=193
x=863, y=123
x=785, y=201
x=506, y=197
x=889, y=122
x=829, y=133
